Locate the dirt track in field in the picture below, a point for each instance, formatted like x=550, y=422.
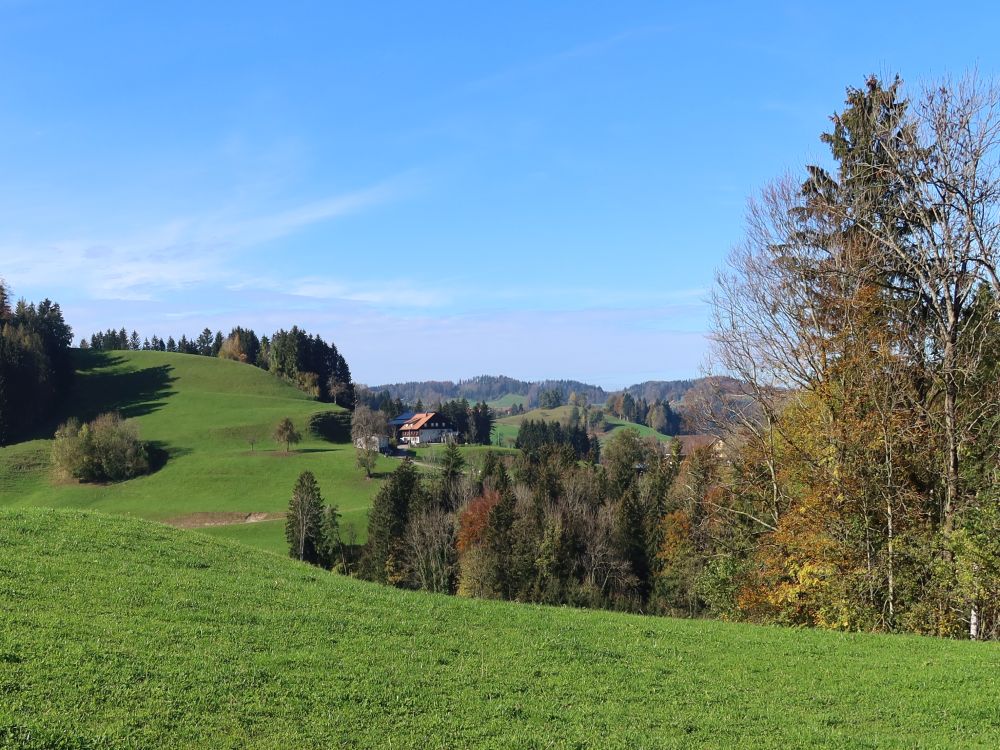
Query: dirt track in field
x=201, y=520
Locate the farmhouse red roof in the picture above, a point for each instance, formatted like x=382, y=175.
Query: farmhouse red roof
x=418, y=421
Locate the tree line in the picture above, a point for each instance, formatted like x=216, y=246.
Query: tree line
x=36, y=370
x=658, y=415
x=547, y=394
x=543, y=527
x=533, y=437
x=306, y=360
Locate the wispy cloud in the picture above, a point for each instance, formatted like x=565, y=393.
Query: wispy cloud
x=177, y=253
x=383, y=292
x=580, y=51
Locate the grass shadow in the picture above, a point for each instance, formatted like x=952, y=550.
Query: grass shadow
x=101, y=388
x=332, y=426
x=159, y=453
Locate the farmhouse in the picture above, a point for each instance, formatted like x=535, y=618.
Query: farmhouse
x=691, y=443
x=427, y=427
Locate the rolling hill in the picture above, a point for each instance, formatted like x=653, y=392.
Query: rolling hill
x=120, y=633
x=199, y=413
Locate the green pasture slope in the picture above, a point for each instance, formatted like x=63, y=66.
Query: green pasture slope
x=119, y=633
x=199, y=413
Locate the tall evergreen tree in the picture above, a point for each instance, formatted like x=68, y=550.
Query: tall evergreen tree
x=402, y=493
x=304, y=521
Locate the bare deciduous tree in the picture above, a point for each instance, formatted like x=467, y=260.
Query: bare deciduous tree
x=369, y=429
x=430, y=543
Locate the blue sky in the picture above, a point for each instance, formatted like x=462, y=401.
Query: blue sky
x=534, y=189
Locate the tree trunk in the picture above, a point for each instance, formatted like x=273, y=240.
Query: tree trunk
x=951, y=439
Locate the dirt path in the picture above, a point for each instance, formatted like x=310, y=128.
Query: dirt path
x=201, y=520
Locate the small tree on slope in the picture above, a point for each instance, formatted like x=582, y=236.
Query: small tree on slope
x=286, y=433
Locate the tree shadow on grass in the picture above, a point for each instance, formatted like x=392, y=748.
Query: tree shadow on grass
x=131, y=393
x=282, y=453
x=99, y=388
x=332, y=426
x=159, y=453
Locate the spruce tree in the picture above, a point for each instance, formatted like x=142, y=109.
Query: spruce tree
x=331, y=548
x=452, y=463
x=387, y=521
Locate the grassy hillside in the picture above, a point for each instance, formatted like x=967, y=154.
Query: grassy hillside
x=199, y=412
x=119, y=633
x=508, y=427
x=508, y=400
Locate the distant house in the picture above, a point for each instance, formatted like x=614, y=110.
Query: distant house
x=427, y=427
x=379, y=442
x=691, y=443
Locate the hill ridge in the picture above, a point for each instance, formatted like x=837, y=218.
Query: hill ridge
x=496, y=387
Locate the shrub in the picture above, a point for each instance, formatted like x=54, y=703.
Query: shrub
x=107, y=449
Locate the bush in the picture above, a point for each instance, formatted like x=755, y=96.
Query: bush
x=107, y=449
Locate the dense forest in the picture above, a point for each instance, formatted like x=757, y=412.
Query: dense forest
x=35, y=366
x=306, y=360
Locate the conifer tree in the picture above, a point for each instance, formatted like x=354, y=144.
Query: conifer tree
x=452, y=463
x=387, y=521
x=304, y=522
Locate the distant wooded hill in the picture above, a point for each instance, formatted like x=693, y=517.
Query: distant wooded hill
x=496, y=388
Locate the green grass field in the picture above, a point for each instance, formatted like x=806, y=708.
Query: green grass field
x=200, y=412
x=119, y=633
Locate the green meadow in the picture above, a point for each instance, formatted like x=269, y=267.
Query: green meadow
x=120, y=633
x=200, y=414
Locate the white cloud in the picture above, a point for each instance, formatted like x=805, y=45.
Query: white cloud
x=178, y=253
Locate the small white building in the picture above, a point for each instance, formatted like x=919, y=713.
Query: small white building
x=427, y=427
x=379, y=442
